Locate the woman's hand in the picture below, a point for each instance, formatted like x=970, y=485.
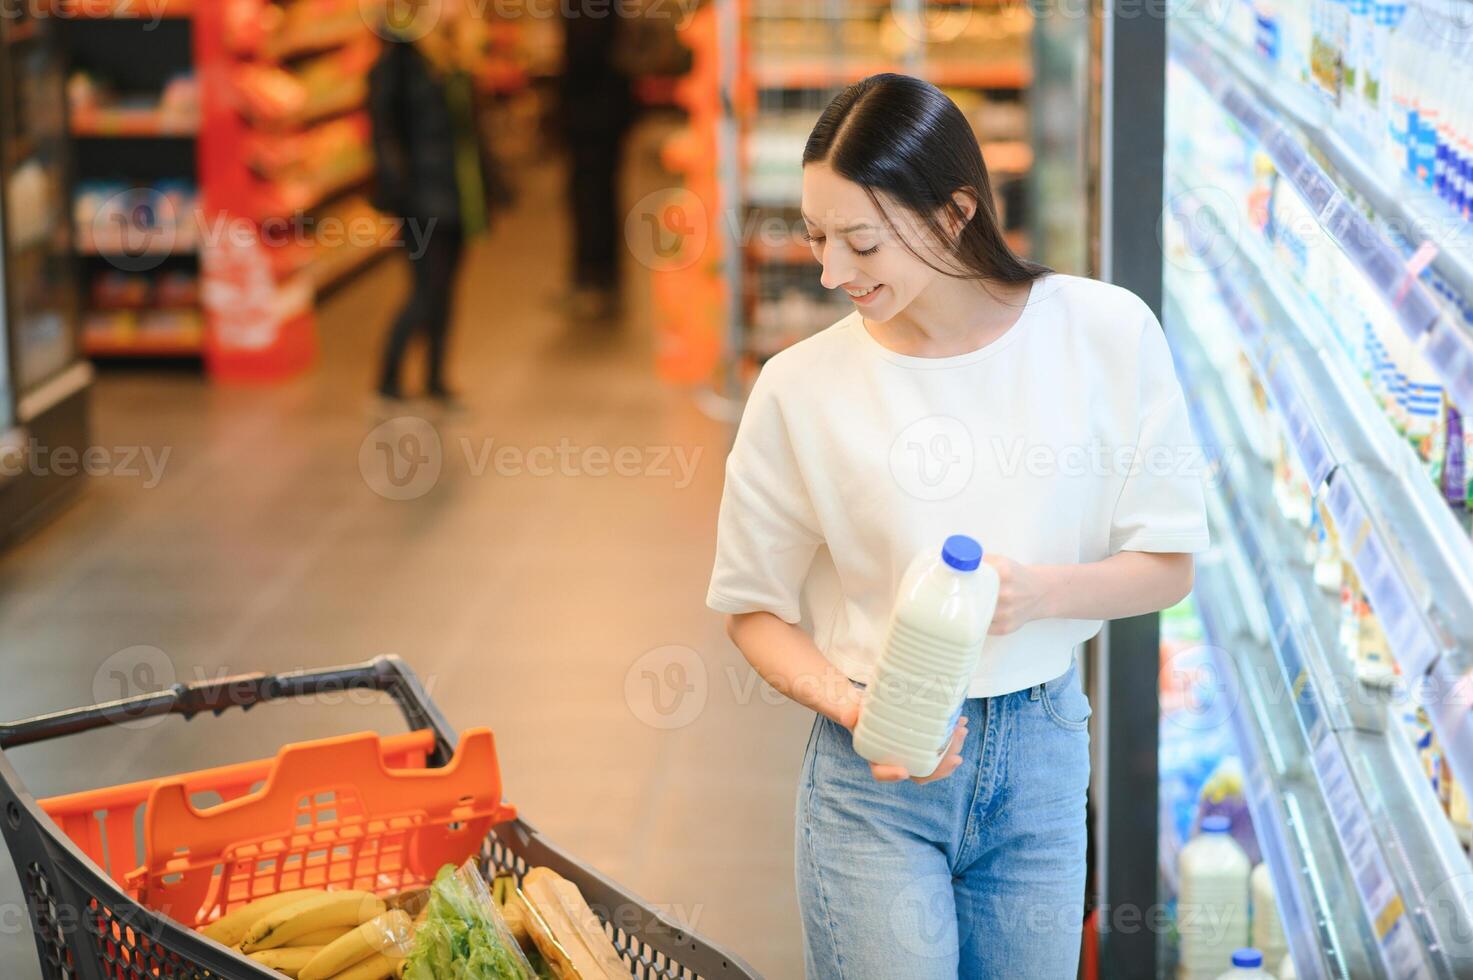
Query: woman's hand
x=848, y=716
x=1021, y=594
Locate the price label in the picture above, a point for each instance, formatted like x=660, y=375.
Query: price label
x=1393, y=604
x=1314, y=455
x=1373, y=881
x=1345, y=509
x=1451, y=352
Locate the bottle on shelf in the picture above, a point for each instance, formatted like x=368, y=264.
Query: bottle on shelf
x=1267, y=929
x=1212, y=907
x=1247, y=965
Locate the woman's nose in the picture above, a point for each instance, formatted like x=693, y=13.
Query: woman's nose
x=837, y=267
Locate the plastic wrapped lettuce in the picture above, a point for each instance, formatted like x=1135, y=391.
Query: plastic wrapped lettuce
x=463, y=936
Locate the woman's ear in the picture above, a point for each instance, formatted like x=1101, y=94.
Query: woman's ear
x=963, y=209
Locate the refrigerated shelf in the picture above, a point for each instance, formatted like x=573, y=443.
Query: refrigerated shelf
x=1263, y=107
x=1394, y=841
x=1407, y=204
x=1410, y=553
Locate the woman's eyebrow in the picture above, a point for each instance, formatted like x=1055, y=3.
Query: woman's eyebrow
x=862, y=226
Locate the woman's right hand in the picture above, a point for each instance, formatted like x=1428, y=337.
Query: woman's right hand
x=848, y=716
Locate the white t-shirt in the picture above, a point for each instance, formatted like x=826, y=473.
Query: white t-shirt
x=1064, y=441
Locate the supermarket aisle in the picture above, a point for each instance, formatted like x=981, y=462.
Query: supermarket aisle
x=258, y=542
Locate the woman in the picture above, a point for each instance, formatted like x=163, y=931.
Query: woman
x=431, y=170
x=970, y=392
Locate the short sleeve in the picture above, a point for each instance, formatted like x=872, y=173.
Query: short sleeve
x=1161, y=506
x=767, y=532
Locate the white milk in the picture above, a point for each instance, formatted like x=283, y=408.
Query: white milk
x=1212, y=907
x=1247, y=965
x=937, y=629
x=1268, y=931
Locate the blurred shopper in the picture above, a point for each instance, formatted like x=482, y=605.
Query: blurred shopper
x=432, y=170
x=597, y=109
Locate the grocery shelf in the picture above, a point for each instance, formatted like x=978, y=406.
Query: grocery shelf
x=1259, y=103
x=1394, y=842
x=1313, y=887
x=1409, y=551
x=103, y=347
x=1407, y=203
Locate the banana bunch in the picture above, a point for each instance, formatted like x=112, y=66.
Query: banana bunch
x=313, y=934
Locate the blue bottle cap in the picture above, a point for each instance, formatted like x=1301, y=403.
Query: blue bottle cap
x=1216, y=824
x=962, y=553
x=1247, y=957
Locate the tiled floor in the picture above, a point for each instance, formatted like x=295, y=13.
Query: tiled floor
x=528, y=603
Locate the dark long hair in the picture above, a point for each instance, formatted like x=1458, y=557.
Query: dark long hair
x=904, y=137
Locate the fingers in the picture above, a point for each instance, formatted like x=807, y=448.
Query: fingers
x=887, y=774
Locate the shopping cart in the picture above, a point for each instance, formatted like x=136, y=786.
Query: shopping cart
x=87, y=927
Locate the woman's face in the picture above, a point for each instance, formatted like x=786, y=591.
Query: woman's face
x=860, y=251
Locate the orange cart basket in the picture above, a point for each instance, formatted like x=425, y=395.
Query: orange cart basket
x=91, y=925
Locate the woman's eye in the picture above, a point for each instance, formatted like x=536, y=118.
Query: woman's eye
x=811, y=239
x=868, y=251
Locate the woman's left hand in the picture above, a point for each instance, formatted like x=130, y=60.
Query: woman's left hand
x=1020, y=595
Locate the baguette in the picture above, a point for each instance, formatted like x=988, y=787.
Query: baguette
x=565, y=930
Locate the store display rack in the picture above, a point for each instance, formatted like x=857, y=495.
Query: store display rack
x=1368, y=864
x=792, y=58
x=44, y=384
x=1331, y=780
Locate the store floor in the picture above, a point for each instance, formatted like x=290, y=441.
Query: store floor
x=563, y=611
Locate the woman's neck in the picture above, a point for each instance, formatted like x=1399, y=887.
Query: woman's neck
x=953, y=316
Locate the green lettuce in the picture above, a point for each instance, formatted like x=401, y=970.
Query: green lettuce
x=463, y=936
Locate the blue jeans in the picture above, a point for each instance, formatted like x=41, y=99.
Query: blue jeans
x=979, y=875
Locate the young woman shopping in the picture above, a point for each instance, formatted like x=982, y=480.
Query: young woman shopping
x=970, y=392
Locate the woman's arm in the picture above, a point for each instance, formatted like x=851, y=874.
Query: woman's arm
x=787, y=659
x=1126, y=584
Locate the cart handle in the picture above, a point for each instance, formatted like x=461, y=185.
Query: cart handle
x=389, y=674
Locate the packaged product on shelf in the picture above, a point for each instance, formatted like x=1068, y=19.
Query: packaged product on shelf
x=1329, y=568
x=1267, y=928
x=1223, y=796
x=1247, y=964
x=1453, y=478
x=1212, y=911
x=1373, y=662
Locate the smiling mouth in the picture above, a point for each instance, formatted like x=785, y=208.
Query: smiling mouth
x=861, y=293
